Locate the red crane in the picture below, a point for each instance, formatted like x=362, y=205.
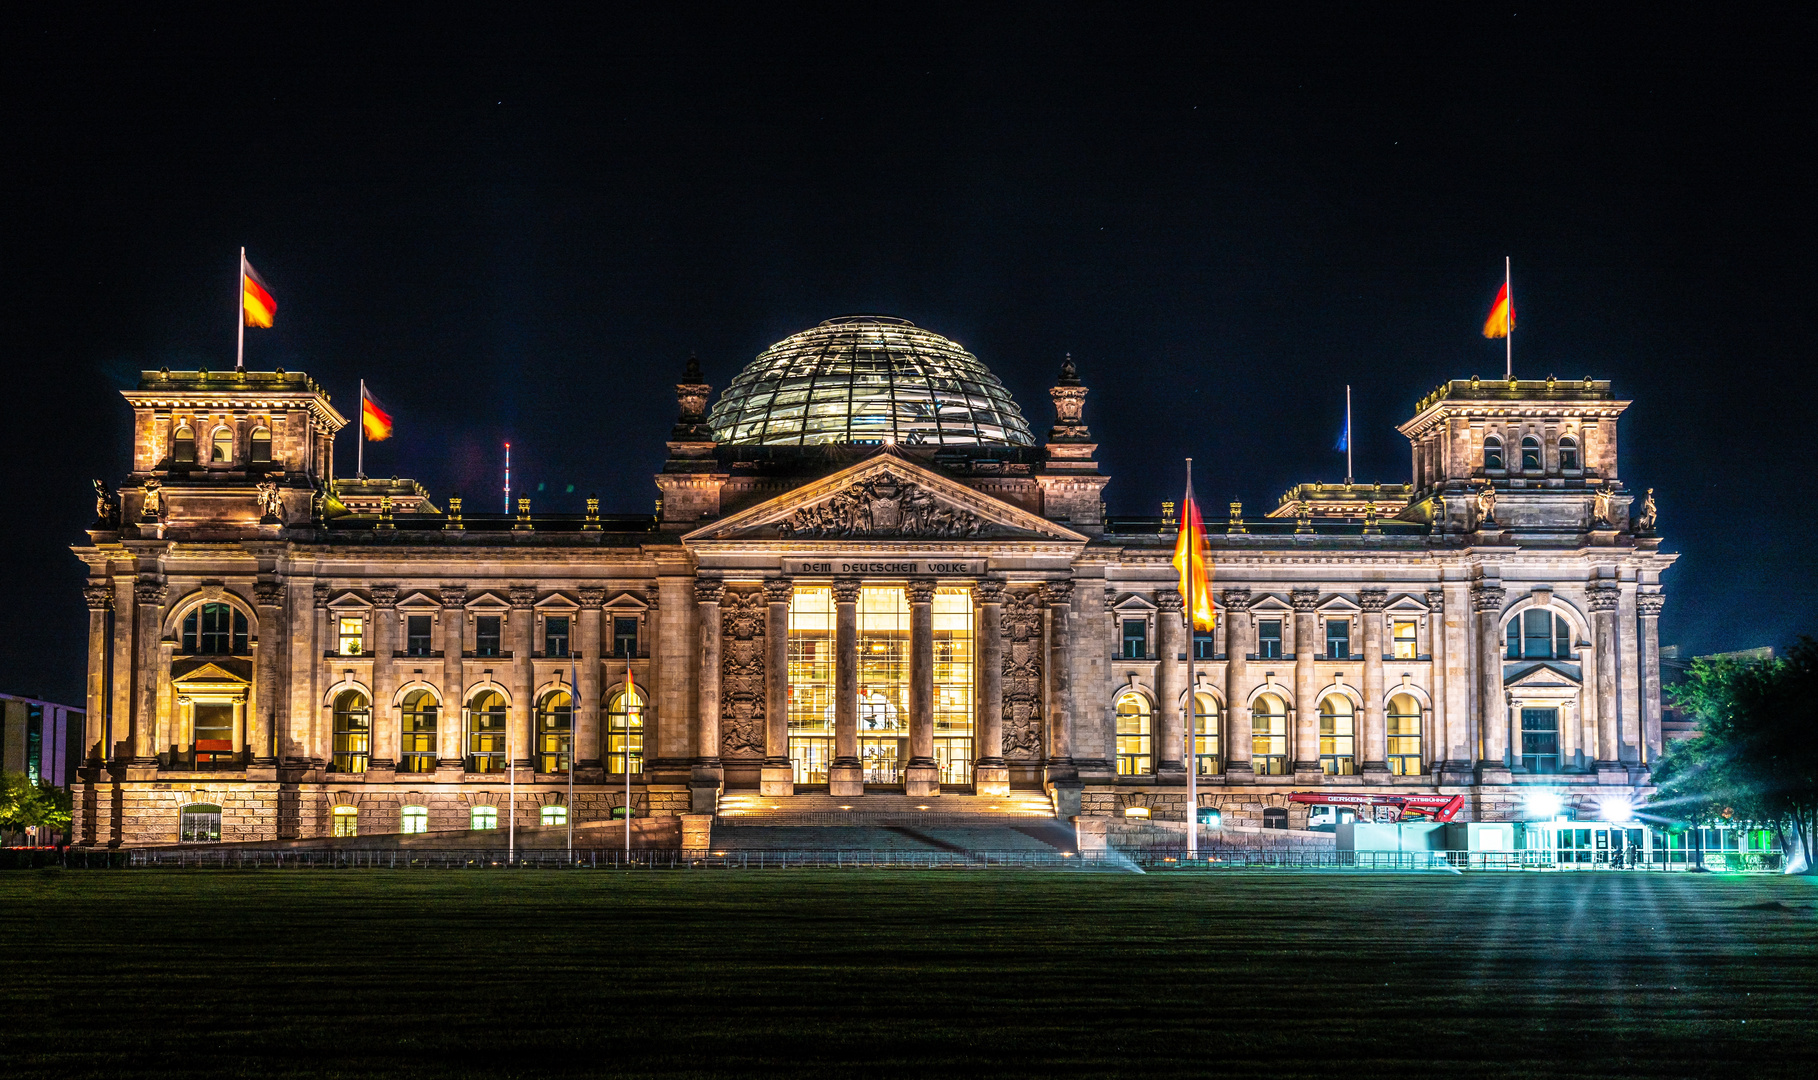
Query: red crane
x=1386, y=808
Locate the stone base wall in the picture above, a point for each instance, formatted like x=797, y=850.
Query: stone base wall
x=1244, y=806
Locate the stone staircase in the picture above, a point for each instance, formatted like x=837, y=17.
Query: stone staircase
x=1022, y=822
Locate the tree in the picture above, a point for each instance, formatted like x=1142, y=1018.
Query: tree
x=24, y=803
x=1754, y=758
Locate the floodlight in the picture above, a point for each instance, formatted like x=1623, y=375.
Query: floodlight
x=1544, y=805
x=1617, y=808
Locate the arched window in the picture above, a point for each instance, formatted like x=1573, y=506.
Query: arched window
x=1530, y=455
x=486, y=733
x=483, y=817
x=414, y=819
x=1568, y=454
x=1269, y=736
x=221, y=447
x=1275, y=817
x=183, y=445
x=555, y=815
x=555, y=731
x=215, y=629
x=1492, y=454
x=1135, y=737
x=625, y=731
x=1337, y=736
x=417, y=732
x=1404, y=735
x=347, y=821
x=1539, y=634
x=353, y=732
x=199, y=823
x=1205, y=734
x=260, y=447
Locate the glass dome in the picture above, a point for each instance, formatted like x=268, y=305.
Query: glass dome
x=867, y=379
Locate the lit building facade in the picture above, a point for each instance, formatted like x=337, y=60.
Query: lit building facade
x=865, y=576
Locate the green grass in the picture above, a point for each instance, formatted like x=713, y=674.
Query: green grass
x=912, y=974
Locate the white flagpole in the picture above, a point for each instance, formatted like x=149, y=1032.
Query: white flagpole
x=1508, y=325
x=1347, y=435
x=240, y=322
x=574, y=705
x=361, y=467
x=1192, y=724
x=511, y=798
x=630, y=704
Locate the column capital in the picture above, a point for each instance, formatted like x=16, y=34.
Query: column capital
x=1603, y=597
x=1436, y=599
x=320, y=596
x=778, y=590
x=1487, y=598
x=523, y=597
x=1304, y=599
x=1648, y=604
x=269, y=593
x=151, y=592
x=98, y=596
x=454, y=597
x=1057, y=593
x=846, y=590
x=653, y=597
x=1168, y=599
x=385, y=596
x=990, y=590
x=1373, y=599
x=708, y=590
x=1235, y=599
x=920, y=590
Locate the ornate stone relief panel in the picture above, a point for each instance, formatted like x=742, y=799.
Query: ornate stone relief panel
x=1022, y=629
x=742, y=616
x=885, y=505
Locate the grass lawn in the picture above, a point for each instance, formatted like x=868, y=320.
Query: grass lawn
x=905, y=974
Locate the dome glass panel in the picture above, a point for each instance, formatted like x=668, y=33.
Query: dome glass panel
x=867, y=380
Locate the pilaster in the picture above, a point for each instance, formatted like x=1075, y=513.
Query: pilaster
x=1171, y=755
x=704, y=778
x=990, y=776
x=1238, y=768
x=778, y=774
x=921, y=776
x=845, y=775
x=1375, y=731
x=1493, y=719
x=1306, y=711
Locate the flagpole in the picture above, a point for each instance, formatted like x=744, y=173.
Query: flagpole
x=574, y=705
x=511, y=799
x=1347, y=434
x=361, y=467
x=1192, y=724
x=630, y=703
x=1508, y=322
x=240, y=323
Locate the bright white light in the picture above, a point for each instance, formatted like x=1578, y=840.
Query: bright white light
x=1617, y=808
x=1543, y=805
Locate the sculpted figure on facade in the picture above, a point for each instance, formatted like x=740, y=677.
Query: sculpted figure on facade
x=107, y=508
x=1645, y=523
x=884, y=505
x=1486, y=505
x=271, y=506
x=1022, y=671
x=1603, y=507
x=153, y=509
x=742, y=616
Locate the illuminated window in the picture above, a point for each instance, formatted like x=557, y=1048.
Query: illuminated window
x=555, y=731
x=216, y=630
x=625, y=732
x=486, y=635
x=1404, y=735
x=486, y=733
x=261, y=447
x=222, y=446
x=1205, y=734
x=199, y=823
x=883, y=678
x=555, y=815
x=953, y=683
x=1137, y=812
x=1269, y=736
x=347, y=821
x=352, y=732
x=1338, y=639
x=1540, y=740
x=624, y=636
x=417, y=732
x=214, y=733
x=1135, y=737
x=1492, y=454
x=1136, y=639
x=419, y=638
x=555, y=636
x=183, y=445
x=811, y=682
x=414, y=819
x=1337, y=736
x=1568, y=454
x=1530, y=455
x=1268, y=639
x=353, y=635
x=483, y=817
x=1407, y=644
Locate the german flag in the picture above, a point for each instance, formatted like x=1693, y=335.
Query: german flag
x=255, y=299
x=1193, y=558
x=1502, y=315
x=374, y=420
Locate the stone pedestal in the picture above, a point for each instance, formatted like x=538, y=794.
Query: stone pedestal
x=1612, y=773
x=991, y=779
x=922, y=780
x=1376, y=772
x=846, y=778
x=1493, y=772
x=1066, y=792
x=775, y=780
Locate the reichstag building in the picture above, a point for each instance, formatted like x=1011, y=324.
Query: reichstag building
x=867, y=578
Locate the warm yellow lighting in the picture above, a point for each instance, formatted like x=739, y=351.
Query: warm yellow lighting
x=1136, y=811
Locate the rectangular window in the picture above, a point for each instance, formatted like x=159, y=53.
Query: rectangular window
x=953, y=683
x=214, y=733
x=199, y=824
x=1268, y=639
x=484, y=817
x=486, y=635
x=555, y=636
x=415, y=819
x=352, y=636
x=417, y=639
x=811, y=682
x=34, y=743
x=1338, y=639
x=1537, y=633
x=217, y=629
x=1136, y=639
x=1562, y=639
x=625, y=636
x=1407, y=645
x=1203, y=646
x=347, y=821
x=1540, y=740
x=883, y=683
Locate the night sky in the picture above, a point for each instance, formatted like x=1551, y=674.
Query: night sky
x=519, y=230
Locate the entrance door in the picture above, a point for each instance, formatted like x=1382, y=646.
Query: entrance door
x=883, y=758
x=809, y=755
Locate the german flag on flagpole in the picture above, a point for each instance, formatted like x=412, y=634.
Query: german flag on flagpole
x=255, y=299
x=1502, y=315
x=375, y=422
x=1193, y=558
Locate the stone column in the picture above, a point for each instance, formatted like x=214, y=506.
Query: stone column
x=1375, y=765
x=451, y=734
x=1172, y=759
x=319, y=751
x=384, y=759
x=846, y=775
x=1306, y=686
x=922, y=776
x=990, y=776
x=100, y=600
x=1237, y=710
x=1649, y=604
x=149, y=626
x=1062, y=775
x=268, y=696
x=704, y=778
x=589, y=735
x=1435, y=738
x=119, y=732
x=1493, y=711
x=1603, y=600
x=523, y=676
x=778, y=774
x=1459, y=687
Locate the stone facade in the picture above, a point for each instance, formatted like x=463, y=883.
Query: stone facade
x=260, y=644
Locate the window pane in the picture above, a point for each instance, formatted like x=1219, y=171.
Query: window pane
x=1136, y=639
x=1406, y=643
x=414, y=819
x=486, y=635
x=352, y=636
x=1338, y=639
x=1268, y=639
x=417, y=640
x=625, y=636
x=1537, y=632
x=555, y=636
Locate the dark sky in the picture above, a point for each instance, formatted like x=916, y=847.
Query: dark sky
x=519, y=228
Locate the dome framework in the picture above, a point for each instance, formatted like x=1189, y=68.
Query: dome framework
x=867, y=380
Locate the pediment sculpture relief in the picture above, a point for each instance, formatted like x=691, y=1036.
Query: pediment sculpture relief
x=885, y=505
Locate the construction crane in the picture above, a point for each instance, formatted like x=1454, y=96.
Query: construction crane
x=1385, y=808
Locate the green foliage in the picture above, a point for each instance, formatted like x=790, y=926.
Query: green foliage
x=24, y=803
x=1754, y=757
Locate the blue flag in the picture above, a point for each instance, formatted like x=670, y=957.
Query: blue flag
x=1344, y=436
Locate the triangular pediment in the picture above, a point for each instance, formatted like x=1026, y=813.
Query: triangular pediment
x=885, y=497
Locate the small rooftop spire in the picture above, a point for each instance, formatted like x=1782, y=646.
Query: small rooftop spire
x=1069, y=376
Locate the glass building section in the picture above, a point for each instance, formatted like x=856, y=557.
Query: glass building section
x=867, y=380
x=953, y=683
x=883, y=678
x=811, y=682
